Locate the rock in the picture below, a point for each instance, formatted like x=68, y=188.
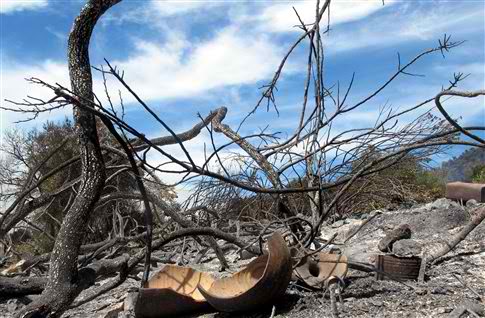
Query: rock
x=354, y=226
x=399, y=233
x=471, y=203
x=111, y=312
x=130, y=301
x=479, y=309
x=455, y=230
x=338, y=224
x=16, y=304
x=126, y=314
x=441, y=204
x=13, y=305
x=376, y=303
x=244, y=254
x=425, y=222
x=421, y=291
x=444, y=310
x=439, y=290
x=406, y=248
x=350, y=221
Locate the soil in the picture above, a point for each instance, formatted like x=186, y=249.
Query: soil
x=451, y=283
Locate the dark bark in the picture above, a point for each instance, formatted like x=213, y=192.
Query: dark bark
x=21, y=286
x=399, y=233
x=64, y=284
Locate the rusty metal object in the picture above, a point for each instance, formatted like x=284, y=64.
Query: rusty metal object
x=465, y=191
x=264, y=279
x=172, y=292
x=316, y=273
x=399, y=268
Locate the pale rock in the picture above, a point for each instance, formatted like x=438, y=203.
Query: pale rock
x=112, y=311
x=406, y=248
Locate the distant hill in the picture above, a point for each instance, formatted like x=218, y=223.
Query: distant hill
x=460, y=168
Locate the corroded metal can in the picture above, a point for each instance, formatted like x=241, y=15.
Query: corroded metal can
x=399, y=268
x=465, y=191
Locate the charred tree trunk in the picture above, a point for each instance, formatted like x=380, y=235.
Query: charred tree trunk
x=21, y=286
x=64, y=282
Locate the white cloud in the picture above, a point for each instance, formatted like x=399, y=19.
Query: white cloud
x=406, y=23
x=181, y=69
x=177, y=69
x=280, y=17
x=13, y=86
x=158, y=11
x=9, y=6
x=170, y=8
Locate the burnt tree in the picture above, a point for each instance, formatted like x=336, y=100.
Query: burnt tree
x=64, y=282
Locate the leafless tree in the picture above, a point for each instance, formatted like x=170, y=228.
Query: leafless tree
x=324, y=162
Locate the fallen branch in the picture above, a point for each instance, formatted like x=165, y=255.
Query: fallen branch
x=21, y=286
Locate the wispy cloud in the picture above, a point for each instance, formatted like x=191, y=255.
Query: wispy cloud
x=171, y=7
x=182, y=69
x=158, y=11
x=280, y=17
x=176, y=69
x=14, y=87
x=9, y=6
x=407, y=23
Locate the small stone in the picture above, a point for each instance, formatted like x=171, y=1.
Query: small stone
x=406, y=248
x=338, y=224
x=352, y=221
x=13, y=305
x=244, y=254
x=421, y=291
x=471, y=203
x=126, y=314
x=111, y=312
x=376, y=303
x=444, y=310
x=455, y=230
x=439, y=291
x=441, y=204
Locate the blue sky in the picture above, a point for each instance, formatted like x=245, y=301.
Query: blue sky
x=185, y=57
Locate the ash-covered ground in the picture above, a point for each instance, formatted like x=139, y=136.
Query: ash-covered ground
x=452, y=283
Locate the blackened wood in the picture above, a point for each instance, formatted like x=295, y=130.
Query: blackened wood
x=399, y=233
x=63, y=285
x=21, y=286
